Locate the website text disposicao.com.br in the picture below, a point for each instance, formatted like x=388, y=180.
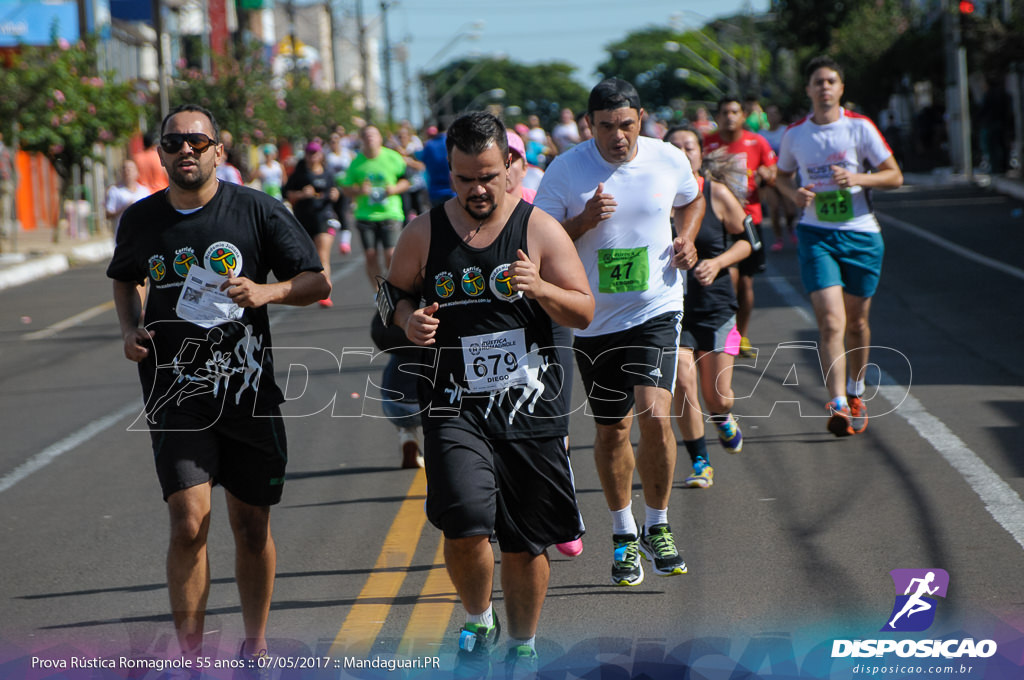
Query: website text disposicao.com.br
x=958, y=657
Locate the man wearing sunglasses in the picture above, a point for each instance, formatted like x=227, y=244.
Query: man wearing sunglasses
x=209, y=424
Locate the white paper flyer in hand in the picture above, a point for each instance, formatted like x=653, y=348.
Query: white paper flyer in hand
x=203, y=302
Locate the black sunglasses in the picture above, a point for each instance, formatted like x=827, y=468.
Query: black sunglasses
x=197, y=141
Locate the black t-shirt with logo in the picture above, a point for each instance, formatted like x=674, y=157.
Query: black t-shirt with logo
x=240, y=232
x=501, y=365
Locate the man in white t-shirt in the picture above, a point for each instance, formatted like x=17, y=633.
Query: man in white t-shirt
x=840, y=242
x=565, y=134
x=130, y=190
x=616, y=195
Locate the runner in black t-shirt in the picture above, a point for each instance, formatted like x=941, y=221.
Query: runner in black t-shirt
x=208, y=381
x=500, y=281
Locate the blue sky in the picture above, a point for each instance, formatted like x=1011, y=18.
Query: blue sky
x=532, y=31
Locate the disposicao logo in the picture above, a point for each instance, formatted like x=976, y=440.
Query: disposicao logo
x=914, y=611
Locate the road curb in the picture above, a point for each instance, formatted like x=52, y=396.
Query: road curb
x=41, y=266
x=33, y=269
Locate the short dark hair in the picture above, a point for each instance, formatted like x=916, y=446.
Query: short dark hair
x=728, y=99
x=474, y=132
x=686, y=127
x=823, y=61
x=196, y=108
x=611, y=94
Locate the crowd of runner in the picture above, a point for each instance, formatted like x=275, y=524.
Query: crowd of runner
x=504, y=259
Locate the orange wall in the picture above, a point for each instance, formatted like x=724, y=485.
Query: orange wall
x=38, y=196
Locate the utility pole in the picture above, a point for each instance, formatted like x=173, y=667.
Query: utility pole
x=290, y=10
x=957, y=91
x=389, y=94
x=161, y=58
x=364, y=62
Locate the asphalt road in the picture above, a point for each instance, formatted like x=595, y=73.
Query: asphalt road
x=790, y=550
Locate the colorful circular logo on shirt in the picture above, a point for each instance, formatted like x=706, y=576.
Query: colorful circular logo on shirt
x=223, y=258
x=444, y=285
x=183, y=261
x=157, y=268
x=473, y=281
x=501, y=284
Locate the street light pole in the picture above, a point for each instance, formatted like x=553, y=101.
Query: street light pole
x=389, y=94
x=364, y=61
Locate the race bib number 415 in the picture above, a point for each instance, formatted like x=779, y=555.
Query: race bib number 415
x=495, y=361
x=833, y=206
x=622, y=270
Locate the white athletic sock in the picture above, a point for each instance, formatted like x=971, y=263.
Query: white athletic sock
x=485, y=619
x=841, y=401
x=854, y=388
x=623, y=522
x=654, y=516
x=530, y=642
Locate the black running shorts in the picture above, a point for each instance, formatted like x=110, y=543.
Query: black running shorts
x=611, y=365
x=382, y=235
x=521, y=491
x=246, y=455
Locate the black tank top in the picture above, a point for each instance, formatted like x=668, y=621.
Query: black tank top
x=503, y=366
x=710, y=242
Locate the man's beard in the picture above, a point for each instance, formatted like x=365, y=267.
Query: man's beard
x=193, y=181
x=478, y=214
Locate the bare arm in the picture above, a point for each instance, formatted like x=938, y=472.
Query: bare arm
x=687, y=220
x=553, y=275
x=303, y=289
x=728, y=209
x=129, y=314
x=406, y=274
x=888, y=176
x=800, y=196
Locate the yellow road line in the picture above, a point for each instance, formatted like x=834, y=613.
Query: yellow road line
x=429, y=619
x=364, y=622
x=81, y=317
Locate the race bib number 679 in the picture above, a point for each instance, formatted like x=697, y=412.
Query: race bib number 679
x=495, y=361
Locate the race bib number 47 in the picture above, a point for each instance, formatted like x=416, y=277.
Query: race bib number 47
x=495, y=361
x=622, y=270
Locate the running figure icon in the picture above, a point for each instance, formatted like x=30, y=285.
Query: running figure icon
x=917, y=603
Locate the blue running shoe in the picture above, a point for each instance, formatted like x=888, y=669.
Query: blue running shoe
x=476, y=642
x=703, y=475
x=521, y=663
x=626, y=567
x=729, y=435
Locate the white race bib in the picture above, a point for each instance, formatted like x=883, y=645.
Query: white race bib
x=495, y=361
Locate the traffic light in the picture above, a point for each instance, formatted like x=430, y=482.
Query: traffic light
x=967, y=6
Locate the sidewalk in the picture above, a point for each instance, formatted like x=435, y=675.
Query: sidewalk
x=37, y=256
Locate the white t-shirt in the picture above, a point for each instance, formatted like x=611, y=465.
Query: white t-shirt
x=565, y=136
x=638, y=235
x=120, y=197
x=851, y=142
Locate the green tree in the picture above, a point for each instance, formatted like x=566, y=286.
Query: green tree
x=247, y=99
x=668, y=67
x=541, y=89
x=64, y=107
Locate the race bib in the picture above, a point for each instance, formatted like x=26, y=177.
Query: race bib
x=495, y=361
x=833, y=206
x=622, y=270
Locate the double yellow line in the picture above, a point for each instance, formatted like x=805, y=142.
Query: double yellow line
x=433, y=611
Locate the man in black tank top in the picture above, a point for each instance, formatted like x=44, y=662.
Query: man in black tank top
x=502, y=284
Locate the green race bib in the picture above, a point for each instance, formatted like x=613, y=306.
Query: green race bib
x=622, y=270
x=834, y=206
